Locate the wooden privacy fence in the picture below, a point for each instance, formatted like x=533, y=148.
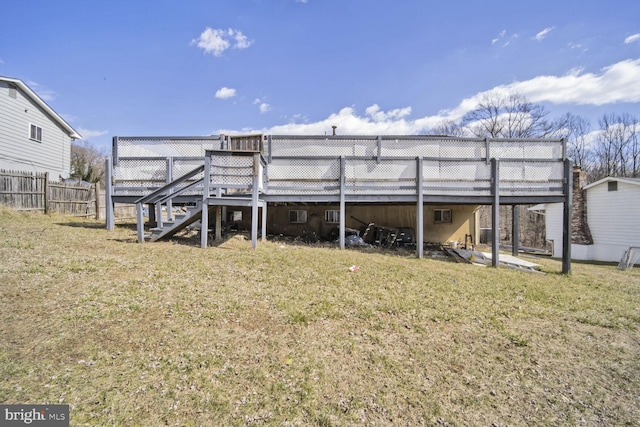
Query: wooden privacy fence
x=34, y=192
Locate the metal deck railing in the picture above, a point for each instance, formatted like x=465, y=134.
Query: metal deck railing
x=308, y=168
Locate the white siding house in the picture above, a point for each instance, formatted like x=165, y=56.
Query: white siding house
x=33, y=137
x=613, y=217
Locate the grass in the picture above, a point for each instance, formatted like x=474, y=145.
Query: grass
x=169, y=334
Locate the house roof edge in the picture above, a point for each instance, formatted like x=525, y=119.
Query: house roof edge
x=633, y=181
x=36, y=98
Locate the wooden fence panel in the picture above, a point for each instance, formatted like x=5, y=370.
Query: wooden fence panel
x=34, y=192
x=23, y=190
x=72, y=199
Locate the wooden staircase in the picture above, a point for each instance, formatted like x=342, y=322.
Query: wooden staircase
x=178, y=223
x=227, y=178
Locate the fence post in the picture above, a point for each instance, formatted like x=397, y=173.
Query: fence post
x=97, y=196
x=109, y=206
x=46, y=192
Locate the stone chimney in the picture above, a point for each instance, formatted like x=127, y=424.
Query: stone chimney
x=580, y=232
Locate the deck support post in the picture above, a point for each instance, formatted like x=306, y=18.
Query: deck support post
x=151, y=209
x=264, y=222
x=515, y=230
x=109, y=205
x=169, y=179
x=218, y=237
x=566, y=218
x=495, y=214
x=206, y=184
x=342, y=200
x=140, y=222
x=158, y=210
x=419, y=208
x=255, y=189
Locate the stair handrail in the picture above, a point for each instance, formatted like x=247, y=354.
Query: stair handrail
x=162, y=194
x=149, y=198
x=179, y=192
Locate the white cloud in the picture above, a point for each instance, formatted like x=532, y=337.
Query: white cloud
x=616, y=83
x=503, y=39
x=613, y=84
x=88, y=133
x=242, y=42
x=349, y=122
x=264, y=107
x=542, y=34
x=380, y=116
x=500, y=36
x=632, y=39
x=225, y=93
x=216, y=41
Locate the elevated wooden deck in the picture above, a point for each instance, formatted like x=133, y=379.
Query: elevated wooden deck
x=338, y=169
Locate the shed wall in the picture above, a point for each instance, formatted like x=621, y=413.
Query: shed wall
x=614, y=219
x=553, y=225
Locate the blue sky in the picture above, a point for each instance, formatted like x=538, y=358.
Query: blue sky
x=182, y=67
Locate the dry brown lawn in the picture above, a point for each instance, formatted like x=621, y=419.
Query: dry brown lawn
x=169, y=334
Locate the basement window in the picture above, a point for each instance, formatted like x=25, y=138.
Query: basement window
x=442, y=216
x=612, y=186
x=235, y=216
x=35, y=133
x=332, y=217
x=298, y=217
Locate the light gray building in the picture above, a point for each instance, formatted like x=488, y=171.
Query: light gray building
x=609, y=211
x=33, y=137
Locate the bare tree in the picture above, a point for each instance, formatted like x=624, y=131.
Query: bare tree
x=485, y=120
x=448, y=128
x=510, y=115
x=87, y=162
x=617, y=152
x=576, y=130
